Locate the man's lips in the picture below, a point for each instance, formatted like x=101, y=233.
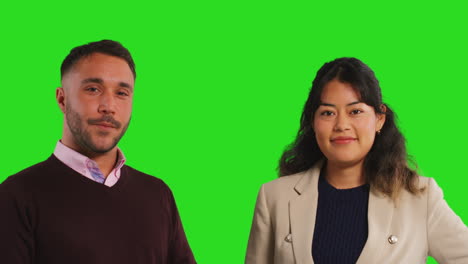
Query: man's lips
x=105, y=125
x=105, y=122
x=343, y=140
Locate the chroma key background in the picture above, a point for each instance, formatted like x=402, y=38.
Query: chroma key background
x=221, y=85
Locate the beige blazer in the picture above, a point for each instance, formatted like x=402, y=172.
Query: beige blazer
x=284, y=220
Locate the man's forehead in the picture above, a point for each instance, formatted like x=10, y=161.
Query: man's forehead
x=100, y=66
x=100, y=60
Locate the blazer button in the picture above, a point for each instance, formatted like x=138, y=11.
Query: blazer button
x=288, y=238
x=392, y=239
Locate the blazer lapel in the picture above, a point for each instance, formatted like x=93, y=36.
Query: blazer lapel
x=302, y=212
x=379, y=217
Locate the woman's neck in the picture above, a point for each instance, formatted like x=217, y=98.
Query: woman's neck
x=345, y=176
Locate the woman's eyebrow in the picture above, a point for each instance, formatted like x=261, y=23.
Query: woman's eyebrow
x=332, y=105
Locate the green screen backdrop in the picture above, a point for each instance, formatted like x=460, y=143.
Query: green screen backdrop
x=221, y=86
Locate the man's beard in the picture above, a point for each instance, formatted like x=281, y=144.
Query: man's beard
x=83, y=138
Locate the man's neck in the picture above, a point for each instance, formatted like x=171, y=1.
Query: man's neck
x=345, y=176
x=105, y=161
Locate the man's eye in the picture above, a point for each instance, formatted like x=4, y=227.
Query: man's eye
x=356, y=111
x=122, y=93
x=92, y=89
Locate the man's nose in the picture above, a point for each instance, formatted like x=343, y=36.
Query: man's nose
x=106, y=103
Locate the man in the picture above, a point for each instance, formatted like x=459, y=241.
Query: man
x=83, y=205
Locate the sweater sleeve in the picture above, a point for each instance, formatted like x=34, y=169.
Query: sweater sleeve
x=16, y=232
x=447, y=234
x=179, y=249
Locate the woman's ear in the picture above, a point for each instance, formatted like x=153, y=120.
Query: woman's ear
x=381, y=118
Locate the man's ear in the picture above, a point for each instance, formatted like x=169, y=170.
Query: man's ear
x=381, y=118
x=60, y=97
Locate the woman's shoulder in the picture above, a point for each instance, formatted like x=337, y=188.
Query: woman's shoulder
x=428, y=191
x=424, y=181
x=284, y=182
x=428, y=185
x=277, y=193
x=294, y=184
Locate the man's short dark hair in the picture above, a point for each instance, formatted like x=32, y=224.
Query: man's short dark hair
x=108, y=47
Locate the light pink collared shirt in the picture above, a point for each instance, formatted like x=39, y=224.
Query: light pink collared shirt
x=83, y=164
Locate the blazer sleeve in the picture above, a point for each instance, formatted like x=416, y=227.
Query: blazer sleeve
x=260, y=248
x=447, y=234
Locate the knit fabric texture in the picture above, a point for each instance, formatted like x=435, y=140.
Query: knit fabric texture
x=341, y=224
x=50, y=214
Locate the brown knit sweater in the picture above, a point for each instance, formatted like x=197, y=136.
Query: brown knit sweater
x=50, y=214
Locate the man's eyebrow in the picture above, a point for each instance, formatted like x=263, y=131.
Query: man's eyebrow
x=332, y=105
x=125, y=85
x=100, y=81
x=92, y=80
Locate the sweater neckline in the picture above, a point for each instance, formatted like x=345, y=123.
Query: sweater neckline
x=84, y=180
x=327, y=187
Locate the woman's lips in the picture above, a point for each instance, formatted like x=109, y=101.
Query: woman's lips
x=343, y=140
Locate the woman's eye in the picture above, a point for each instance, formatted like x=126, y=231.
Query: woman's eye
x=356, y=111
x=327, y=113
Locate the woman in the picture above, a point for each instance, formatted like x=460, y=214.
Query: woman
x=346, y=193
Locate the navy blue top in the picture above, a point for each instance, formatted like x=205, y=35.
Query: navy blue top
x=341, y=223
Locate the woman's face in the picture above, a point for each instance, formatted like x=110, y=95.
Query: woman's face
x=344, y=126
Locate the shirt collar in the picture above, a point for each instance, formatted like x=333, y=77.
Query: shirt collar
x=80, y=162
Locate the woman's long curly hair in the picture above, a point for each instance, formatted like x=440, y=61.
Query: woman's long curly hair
x=386, y=166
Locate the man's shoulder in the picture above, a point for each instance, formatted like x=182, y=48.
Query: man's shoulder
x=148, y=185
x=144, y=178
x=29, y=175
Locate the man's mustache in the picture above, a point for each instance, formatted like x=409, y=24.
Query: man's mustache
x=107, y=119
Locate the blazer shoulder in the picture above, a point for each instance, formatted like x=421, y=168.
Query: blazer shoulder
x=429, y=187
x=285, y=182
x=425, y=184
x=285, y=187
x=431, y=190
